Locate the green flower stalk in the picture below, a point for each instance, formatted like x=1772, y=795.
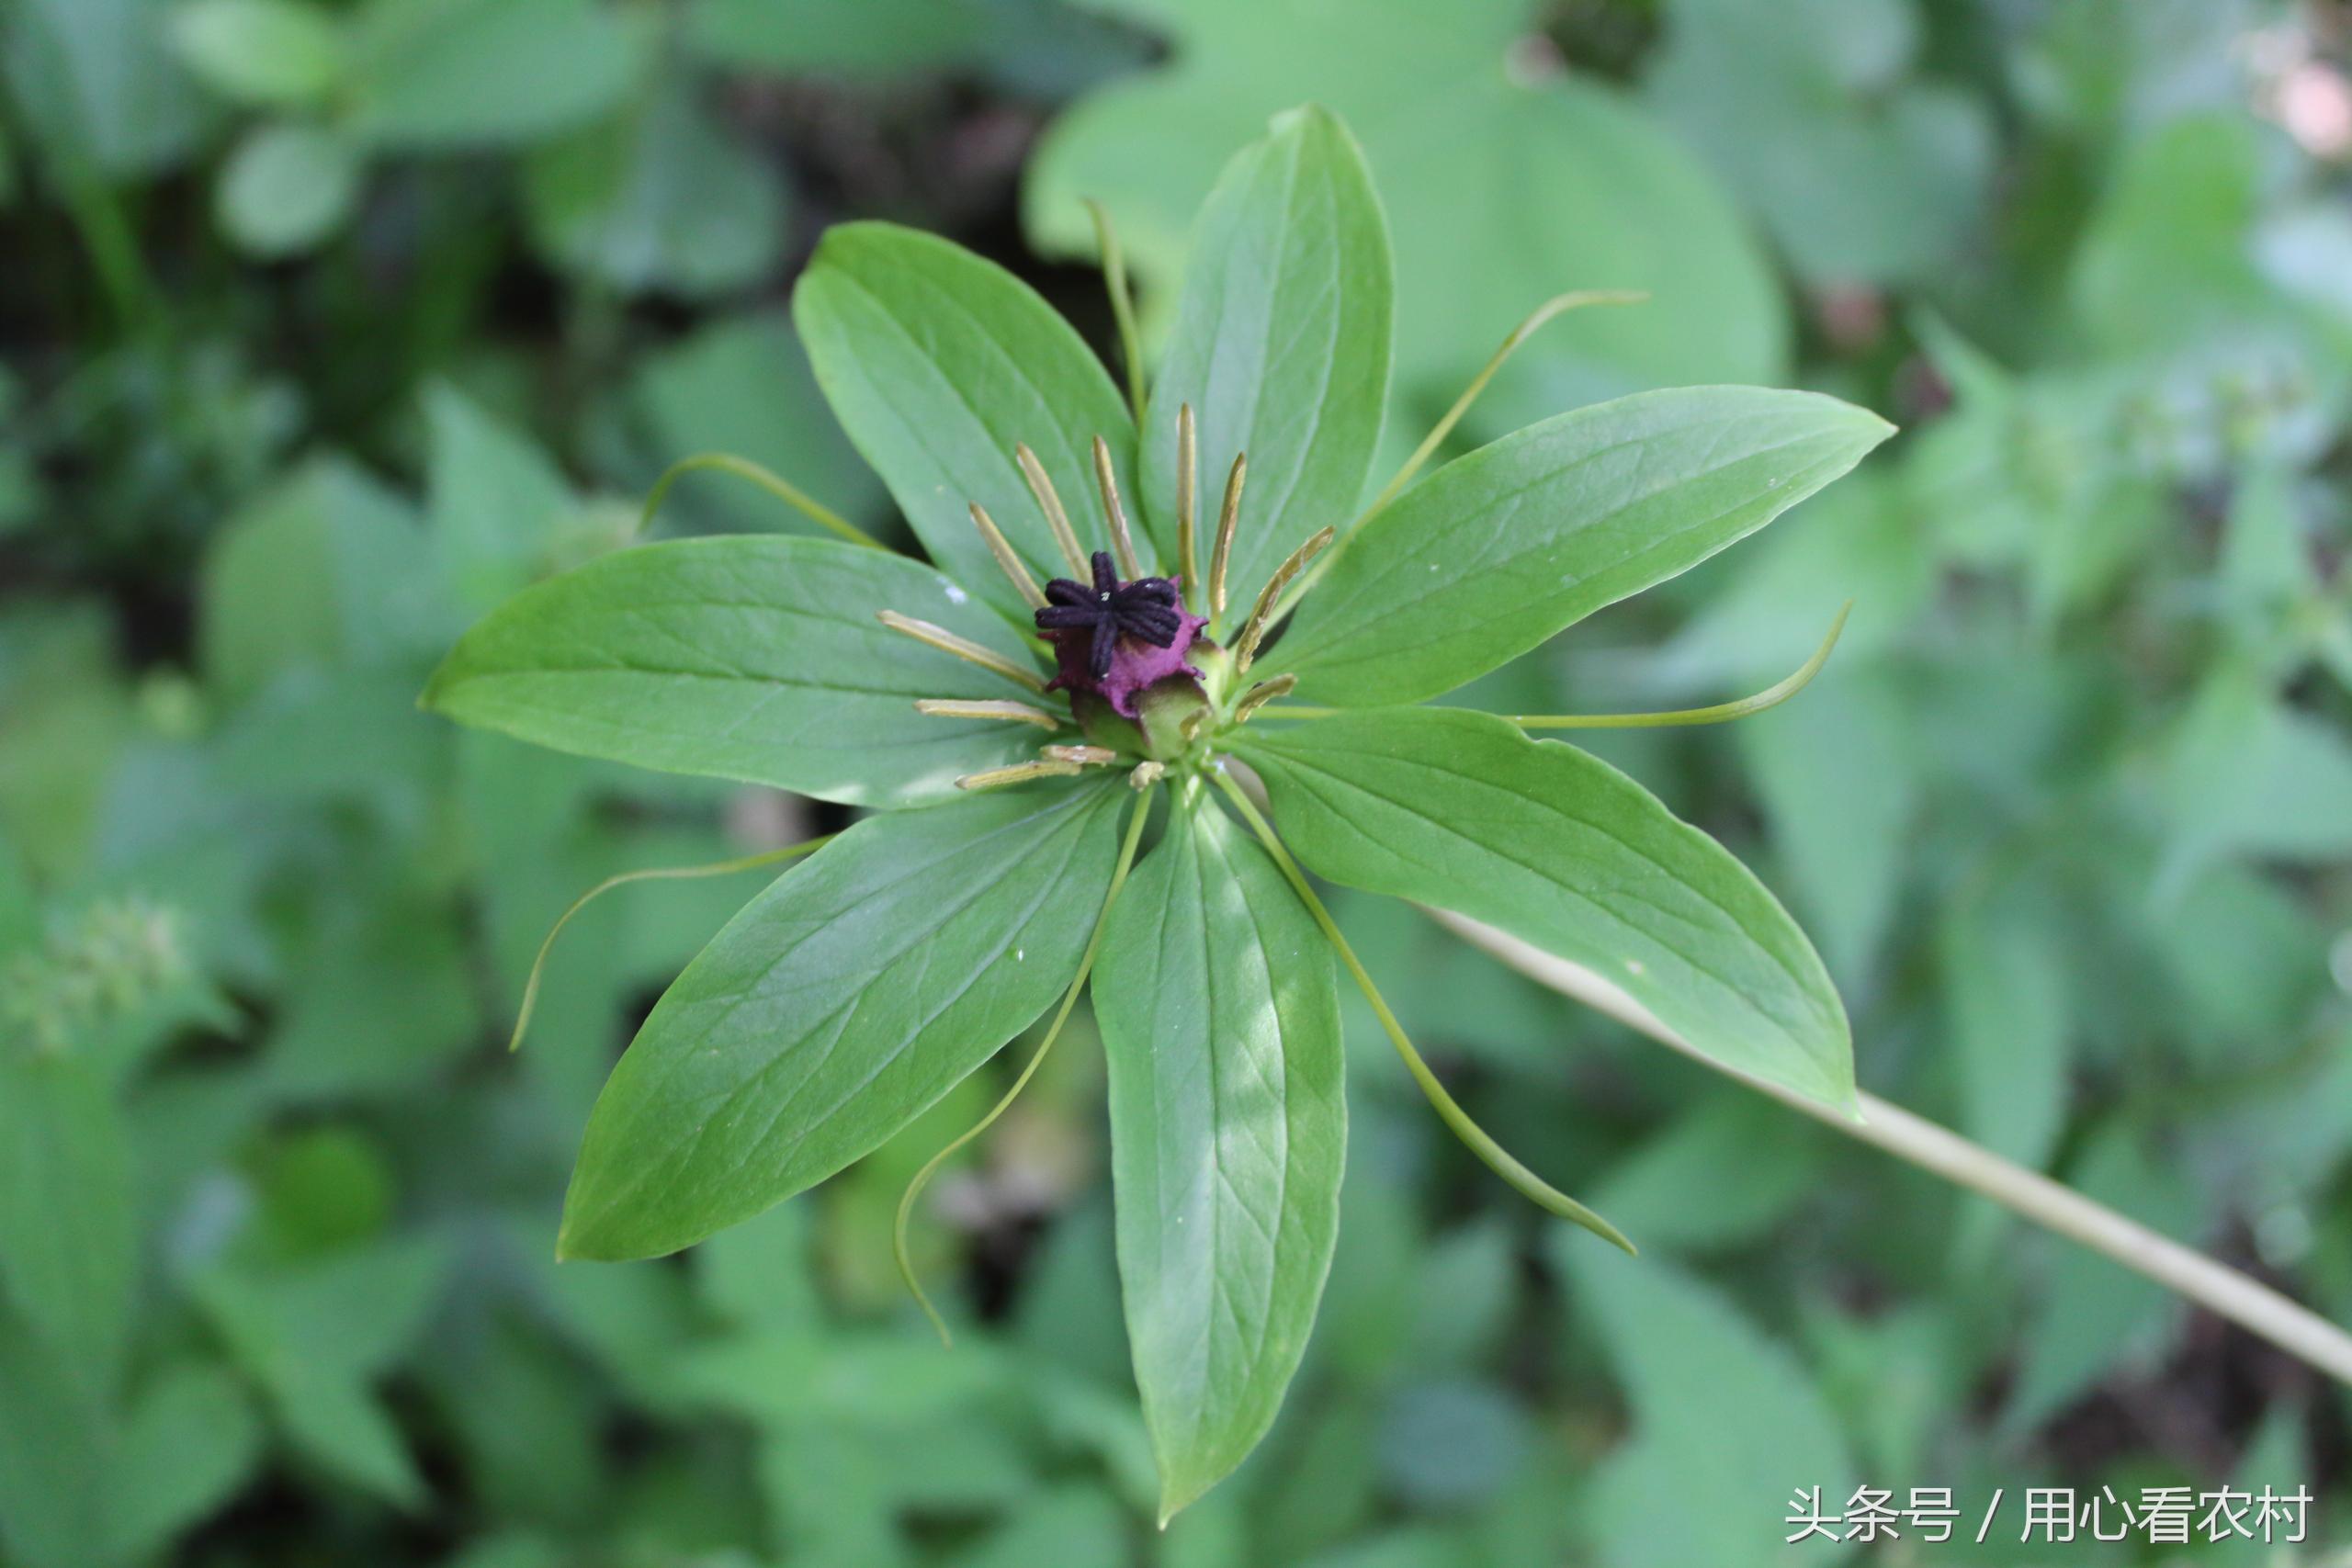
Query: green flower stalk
x=1074, y=730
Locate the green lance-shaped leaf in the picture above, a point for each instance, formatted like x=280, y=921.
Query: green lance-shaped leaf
x=939, y=364
x=1218, y=1004
x=69, y=1232
x=837, y=1007
x=1281, y=342
x=190, y=1442
x=54, y=1445
x=1459, y=809
x=1502, y=548
x=755, y=657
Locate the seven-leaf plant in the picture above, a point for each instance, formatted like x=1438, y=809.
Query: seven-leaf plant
x=1011, y=711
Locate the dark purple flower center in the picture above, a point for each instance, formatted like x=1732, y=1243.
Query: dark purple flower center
x=1116, y=639
x=1146, y=609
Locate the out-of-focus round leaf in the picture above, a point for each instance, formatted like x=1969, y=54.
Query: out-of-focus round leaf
x=874, y=38
x=1809, y=110
x=260, y=51
x=286, y=188
x=322, y=1188
x=440, y=74
x=95, y=79
x=660, y=200
x=1047, y=49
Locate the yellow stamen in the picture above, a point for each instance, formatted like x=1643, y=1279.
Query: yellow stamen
x=1146, y=775
x=1261, y=613
x=1084, y=756
x=1129, y=567
x=1008, y=563
x=946, y=641
x=1225, y=522
x=1261, y=694
x=1020, y=713
x=1020, y=773
x=1051, y=503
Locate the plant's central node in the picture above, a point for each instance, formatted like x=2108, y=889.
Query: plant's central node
x=1116, y=639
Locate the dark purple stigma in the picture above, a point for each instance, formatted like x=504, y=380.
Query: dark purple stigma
x=1118, y=638
x=1146, y=609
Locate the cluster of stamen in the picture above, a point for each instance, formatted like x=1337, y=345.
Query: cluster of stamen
x=1107, y=601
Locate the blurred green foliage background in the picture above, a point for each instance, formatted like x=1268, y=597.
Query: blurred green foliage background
x=328, y=324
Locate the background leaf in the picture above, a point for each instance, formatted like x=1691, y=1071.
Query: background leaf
x=1814, y=112
x=434, y=73
x=286, y=189
x=2006, y=1007
x=744, y=385
x=313, y=1337
x=191, y=1443
x=658, y=200
x=69, y=1238
x=1523, y=184
x=51, y=1452
x=270, y=52
x=326, y=569
x=1837, y=778
x=1717, y=1407
x=496, y=498
x=98, y=79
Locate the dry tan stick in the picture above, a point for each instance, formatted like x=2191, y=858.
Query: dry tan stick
x=1223, y=555
x=957, y=707
x=1007, y=559
x=965, y=648
x=1049, y=502
x=1120, y=541
x=2215, y=1286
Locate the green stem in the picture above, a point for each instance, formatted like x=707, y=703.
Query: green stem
x=1498, y=1159
x=1053, y=1033
x=783, y=489
x=1772, y=696
x=657, y=874
x=1122, y=305
x=107, y=233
